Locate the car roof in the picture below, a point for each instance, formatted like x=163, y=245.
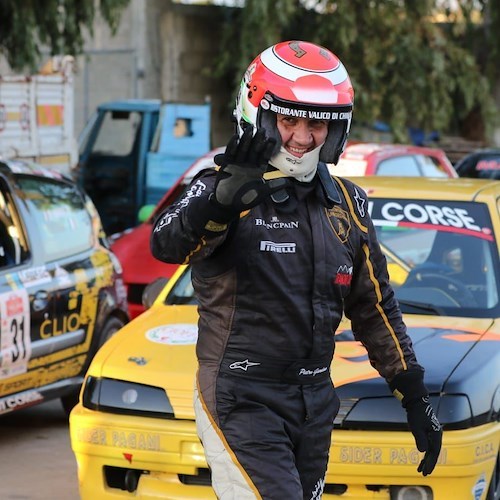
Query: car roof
x=477, y=155
x=456, y=189
x=362, y=149
x=206, y=161
x=15, y=167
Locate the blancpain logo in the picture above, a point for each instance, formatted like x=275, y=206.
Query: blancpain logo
x=242, y=365
x=276, y=224
x=270, y=246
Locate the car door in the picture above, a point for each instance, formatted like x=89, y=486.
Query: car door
x=69, y=275
x=16, y=318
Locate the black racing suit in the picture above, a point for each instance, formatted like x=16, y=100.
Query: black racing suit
x=272, y=289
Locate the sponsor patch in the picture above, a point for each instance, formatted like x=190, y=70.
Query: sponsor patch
x=275, y=223
x=270, y=246
x=34, y=276
x=242, y=365
x=343, y=276
x=461, y=218
x=360, y=203
x=340, y=222
x=178, y=334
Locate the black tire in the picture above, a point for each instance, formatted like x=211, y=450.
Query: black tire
x=111, y=326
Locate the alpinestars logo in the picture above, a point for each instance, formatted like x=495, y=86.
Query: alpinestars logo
x=344, y=276
x=360, y=203
x=270, y=246
x=242, y=365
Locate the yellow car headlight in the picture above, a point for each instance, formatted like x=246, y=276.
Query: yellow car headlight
x=119, y=396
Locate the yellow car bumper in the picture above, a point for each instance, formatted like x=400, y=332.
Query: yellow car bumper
x=158, y=458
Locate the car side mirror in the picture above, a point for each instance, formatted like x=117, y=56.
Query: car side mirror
x=151, y=292
x=145, y=212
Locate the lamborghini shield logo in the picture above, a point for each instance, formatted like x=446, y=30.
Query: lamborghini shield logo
x=340, y=222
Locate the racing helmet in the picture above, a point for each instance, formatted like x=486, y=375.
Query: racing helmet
x=301, y=79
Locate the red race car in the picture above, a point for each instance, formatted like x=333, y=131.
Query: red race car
x=392, y=160
x=132, y=246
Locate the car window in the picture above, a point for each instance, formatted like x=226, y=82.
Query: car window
x=60, y=214
x=443, y=253
x=431, y=167
x=405, y=166
x=13, y=242
x=183, y=291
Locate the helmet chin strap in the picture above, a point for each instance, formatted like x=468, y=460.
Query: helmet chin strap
x=302, y=169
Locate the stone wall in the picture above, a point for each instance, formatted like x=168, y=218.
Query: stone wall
x=161, y=50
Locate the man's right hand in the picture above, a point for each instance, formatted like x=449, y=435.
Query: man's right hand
x=240, y=184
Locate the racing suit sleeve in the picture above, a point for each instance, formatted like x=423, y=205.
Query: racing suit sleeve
x=193, y=227
x=378, y=324
x=371, y=305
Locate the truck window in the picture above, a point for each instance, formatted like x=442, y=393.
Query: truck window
x=117, y=133
x=13, y=244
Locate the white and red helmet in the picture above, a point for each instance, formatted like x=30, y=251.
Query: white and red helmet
x=299, y=79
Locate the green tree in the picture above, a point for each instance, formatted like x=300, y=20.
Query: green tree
x=431, y=64
x=26, y=25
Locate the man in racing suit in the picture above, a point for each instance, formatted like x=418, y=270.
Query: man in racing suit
x=279, y=251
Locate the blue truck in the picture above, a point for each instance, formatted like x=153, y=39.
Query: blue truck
x=132, y=151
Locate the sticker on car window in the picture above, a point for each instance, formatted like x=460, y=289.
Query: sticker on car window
x=179, y=334
x=15, y=342
x=34, y=276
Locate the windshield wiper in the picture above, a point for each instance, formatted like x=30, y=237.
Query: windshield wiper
x=421, y=307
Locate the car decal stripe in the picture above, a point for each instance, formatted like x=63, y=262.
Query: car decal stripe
x=378, y=293
x=219, y=455
x=456, y=230
x=350, y=205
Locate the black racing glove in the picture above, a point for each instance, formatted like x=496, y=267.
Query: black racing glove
x=409, y=387
x=240, y=184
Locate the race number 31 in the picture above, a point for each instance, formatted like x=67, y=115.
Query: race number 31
x=15, y=345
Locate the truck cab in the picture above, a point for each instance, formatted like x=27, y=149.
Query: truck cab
x=132, y=151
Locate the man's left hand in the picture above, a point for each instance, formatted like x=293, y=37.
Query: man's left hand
x=427, y=431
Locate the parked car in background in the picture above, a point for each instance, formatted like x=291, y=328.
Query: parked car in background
x=61, y=291
x=392, y=160
x=132, y=246
x=133, y=431
x=480, y=164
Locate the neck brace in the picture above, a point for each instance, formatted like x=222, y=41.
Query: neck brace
x=302, y=169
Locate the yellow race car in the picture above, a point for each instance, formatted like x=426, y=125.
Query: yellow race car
x=133, y=432
x=61, y=288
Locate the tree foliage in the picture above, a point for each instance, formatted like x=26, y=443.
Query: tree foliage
x=429, y=64
x=26, y=25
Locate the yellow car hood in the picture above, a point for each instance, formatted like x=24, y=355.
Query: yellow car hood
x=158, y=349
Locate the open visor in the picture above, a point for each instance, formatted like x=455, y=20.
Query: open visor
x=338, y=116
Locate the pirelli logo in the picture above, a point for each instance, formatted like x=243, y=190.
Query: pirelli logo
x=270, y=246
